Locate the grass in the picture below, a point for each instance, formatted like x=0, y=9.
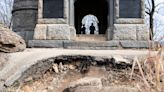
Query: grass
x=150, y=71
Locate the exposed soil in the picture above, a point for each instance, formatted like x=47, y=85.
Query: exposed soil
x=56, y=74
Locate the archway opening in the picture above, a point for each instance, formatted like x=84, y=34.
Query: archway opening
x=98, y=8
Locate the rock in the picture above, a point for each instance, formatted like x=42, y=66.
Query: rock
x=84, y=82
x=28, y=79
x=50, y=88
x=3, y=60
x=61, y=67
x=72, y=67
x=65, y=67
x=2, y=88
x=55, y=67
x=118, y=62
x=119, y=59
x=87, y=81
x=104, y=89
x=10, y=41
x=27, y=89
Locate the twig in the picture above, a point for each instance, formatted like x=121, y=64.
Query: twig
x=134, y=63
x=139, y=88
x=158, y=67
x=141, y=71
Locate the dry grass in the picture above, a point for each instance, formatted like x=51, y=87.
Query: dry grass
x=150, y=71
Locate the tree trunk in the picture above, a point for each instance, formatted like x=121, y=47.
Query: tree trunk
x=151, y=19
x=151, y=23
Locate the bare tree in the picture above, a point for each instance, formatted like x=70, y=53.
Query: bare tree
x=151, y=8
x=5, y=12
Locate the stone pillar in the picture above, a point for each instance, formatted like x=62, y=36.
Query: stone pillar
x=72, y=19
x=24, y=18
x=71, y=12
x=110, y=19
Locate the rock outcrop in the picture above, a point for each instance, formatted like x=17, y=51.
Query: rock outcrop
x=10, y=41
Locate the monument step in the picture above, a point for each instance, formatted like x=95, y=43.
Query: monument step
x=85, y=37
x=113, y=44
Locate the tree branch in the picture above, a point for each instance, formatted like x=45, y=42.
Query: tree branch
x=159, y=4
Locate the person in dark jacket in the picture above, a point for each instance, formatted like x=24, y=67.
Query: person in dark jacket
x=83, y=29
x=92, y=29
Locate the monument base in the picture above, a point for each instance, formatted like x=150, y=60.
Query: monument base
x=53, y=32
x=103, y=45
x=130, y=32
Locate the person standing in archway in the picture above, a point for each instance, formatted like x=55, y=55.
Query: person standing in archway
x=83, y=29
x=92, y=29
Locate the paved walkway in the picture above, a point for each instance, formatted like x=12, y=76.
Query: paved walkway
x=19, y=62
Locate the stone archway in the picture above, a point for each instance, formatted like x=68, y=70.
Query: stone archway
x=99, y=8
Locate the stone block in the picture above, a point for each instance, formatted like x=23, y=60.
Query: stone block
x=124, y=32
x=72, y=32
x=103, y=45
x=46, y=43
x=40, y=32
x=134, y=44
x=26, y=35
x=58, y=32
x=142, y=32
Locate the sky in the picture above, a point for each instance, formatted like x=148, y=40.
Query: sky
x=159, y=22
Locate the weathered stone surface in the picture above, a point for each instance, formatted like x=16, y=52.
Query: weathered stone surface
x=10, y=41
x=124, y=32
x=87, y=81
x=130, y=21
x=53, y=32
x=3, y=60
x=55, y=68
x=58, y=32
x=2, y=88
x=24, y=15
x=52, y=21
x=135, y=44
x=46, y=43
x=130, y=32
x=89, y=45
x=119, y=59
x=72, y=32
x=105, y=89
x=142, y=33
x=27, y=35
x=40, y=32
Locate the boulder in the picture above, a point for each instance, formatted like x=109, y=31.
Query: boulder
x=10, y=41
x=86, y=81
x=3, y=60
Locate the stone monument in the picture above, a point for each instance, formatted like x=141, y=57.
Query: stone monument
x=57, y=23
